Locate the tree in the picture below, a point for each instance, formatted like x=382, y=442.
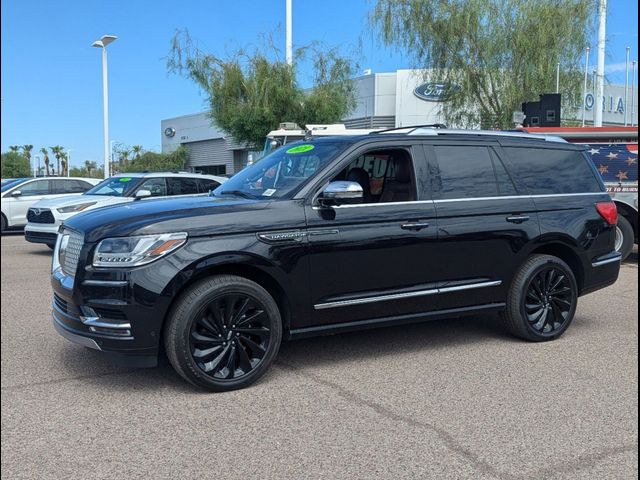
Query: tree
x=57, y=152
x=249, y=94
x=14, y=165
x=136, y=150
x=26, y=151
x=90, y=166
x=491, y=54
x=158, y=162
x=64, y=160
x=45, y=156
x=14, y=148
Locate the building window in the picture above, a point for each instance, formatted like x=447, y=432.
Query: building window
x=213, y=169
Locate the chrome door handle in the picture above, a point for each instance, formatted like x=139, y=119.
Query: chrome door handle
x=518, y=218
x=414, y=226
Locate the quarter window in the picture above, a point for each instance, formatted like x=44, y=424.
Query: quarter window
x=205, y=185
x=547, y=171
x=469, y=172
x=182, y=185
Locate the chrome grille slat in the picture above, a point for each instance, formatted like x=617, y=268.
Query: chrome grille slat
x=72, y=253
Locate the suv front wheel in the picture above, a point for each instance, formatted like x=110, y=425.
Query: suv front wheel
x=542, y=299
x=223, y=333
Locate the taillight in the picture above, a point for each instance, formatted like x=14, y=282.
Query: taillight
x=608, y=211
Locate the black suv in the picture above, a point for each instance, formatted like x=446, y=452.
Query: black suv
x=335, y=234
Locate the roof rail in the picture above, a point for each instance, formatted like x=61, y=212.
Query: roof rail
x=411, y=128
x=440, y=129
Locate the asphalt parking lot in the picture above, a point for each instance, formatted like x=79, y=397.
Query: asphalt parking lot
x=445, y=399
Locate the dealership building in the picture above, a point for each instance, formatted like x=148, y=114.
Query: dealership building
x=383, y=100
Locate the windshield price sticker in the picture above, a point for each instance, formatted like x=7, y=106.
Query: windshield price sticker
x=301, y=149
x=125, y=179
x=268, y=192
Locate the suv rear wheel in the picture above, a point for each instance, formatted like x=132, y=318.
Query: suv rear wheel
x=625, y=237
x=224, y=333
x=542, y=299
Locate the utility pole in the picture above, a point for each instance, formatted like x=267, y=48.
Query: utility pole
x=602, y=33
x=289, y=38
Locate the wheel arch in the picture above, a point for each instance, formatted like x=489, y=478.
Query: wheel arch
x=628, y=212
x=242, y=265
x=565, y=253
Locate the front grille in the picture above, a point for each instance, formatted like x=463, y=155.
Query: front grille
x=71, y=254
x=40, y=215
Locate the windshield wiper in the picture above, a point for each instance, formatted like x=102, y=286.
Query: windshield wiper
x=238, y=193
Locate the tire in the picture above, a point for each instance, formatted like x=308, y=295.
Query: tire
x=625, y=230
x=537, y=310
x=223, y=333
x=3, y=223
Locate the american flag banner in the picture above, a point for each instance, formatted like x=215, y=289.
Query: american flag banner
x=616, y=162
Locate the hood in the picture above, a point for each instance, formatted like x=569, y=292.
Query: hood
x=67, y=200
x=198, y=216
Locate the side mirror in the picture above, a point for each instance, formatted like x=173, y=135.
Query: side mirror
x=341, y=193
x=16, y=193
x=140, y=194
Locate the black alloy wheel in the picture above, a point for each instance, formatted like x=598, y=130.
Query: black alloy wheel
x=542, y=299
x=549, y=301
x=230, y=336
x=223, y=333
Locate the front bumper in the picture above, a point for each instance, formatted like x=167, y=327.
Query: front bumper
x=40, y=237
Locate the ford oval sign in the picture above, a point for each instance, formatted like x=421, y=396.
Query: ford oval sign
x=433, y=92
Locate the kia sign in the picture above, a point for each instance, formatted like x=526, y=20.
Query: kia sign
x=434, y=92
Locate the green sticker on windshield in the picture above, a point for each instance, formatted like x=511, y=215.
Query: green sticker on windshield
x=125, y=179
x=301, y=149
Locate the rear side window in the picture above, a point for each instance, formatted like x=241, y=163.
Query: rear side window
x=205, y=185
x=182, y=185
x=70, y=186
x=546, y=172
x=470, y=172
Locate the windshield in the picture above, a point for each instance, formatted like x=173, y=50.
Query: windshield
x=113, y=187
x=275, y=142
x=8, y=183
x=278, y=175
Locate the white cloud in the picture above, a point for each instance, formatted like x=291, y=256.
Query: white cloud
x=616, y=67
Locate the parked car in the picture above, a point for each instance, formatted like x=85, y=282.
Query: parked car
x=336, y=234
x=19, y=194
x=45, y=217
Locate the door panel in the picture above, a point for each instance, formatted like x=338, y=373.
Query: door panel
x=483, y=225
x=373, y=260
x=31, y=193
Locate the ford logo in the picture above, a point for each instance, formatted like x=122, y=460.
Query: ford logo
x=434, y=92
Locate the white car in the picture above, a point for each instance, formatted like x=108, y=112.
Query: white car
x=18, y=194
x=45, y=217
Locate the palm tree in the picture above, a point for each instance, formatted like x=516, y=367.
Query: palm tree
x=64, y=160
x=137, y=151
x=124, y=158
x=26, y=151
x=89, y=166
x=45, y=154
x=14, y=148
x=57, y=152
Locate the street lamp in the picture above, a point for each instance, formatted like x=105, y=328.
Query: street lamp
x=102, y=43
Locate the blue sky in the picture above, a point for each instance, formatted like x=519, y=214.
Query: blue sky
x=51, y=78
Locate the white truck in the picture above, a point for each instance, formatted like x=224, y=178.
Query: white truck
x=614, y=151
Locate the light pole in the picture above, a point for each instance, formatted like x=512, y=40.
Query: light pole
x=584, y=89
x=69, y=160
x=102, y=43
x=602, y=37
x=289, y=33
x=626, y=86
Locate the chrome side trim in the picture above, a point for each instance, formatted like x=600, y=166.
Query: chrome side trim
x=458, y=288
x=105, y=283
x=470, y=199
x=398, y=296
x=85, y=341
x=606, y=261
x=378, y=298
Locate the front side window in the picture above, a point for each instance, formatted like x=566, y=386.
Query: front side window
x=114, y=186
x=205, y=185
x=384, y=175
x=283, y=172
x=470, y=172
x=156, y=186
x=38, y=187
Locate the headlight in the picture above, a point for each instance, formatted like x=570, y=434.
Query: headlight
x=135, y=251
x=75, y=208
